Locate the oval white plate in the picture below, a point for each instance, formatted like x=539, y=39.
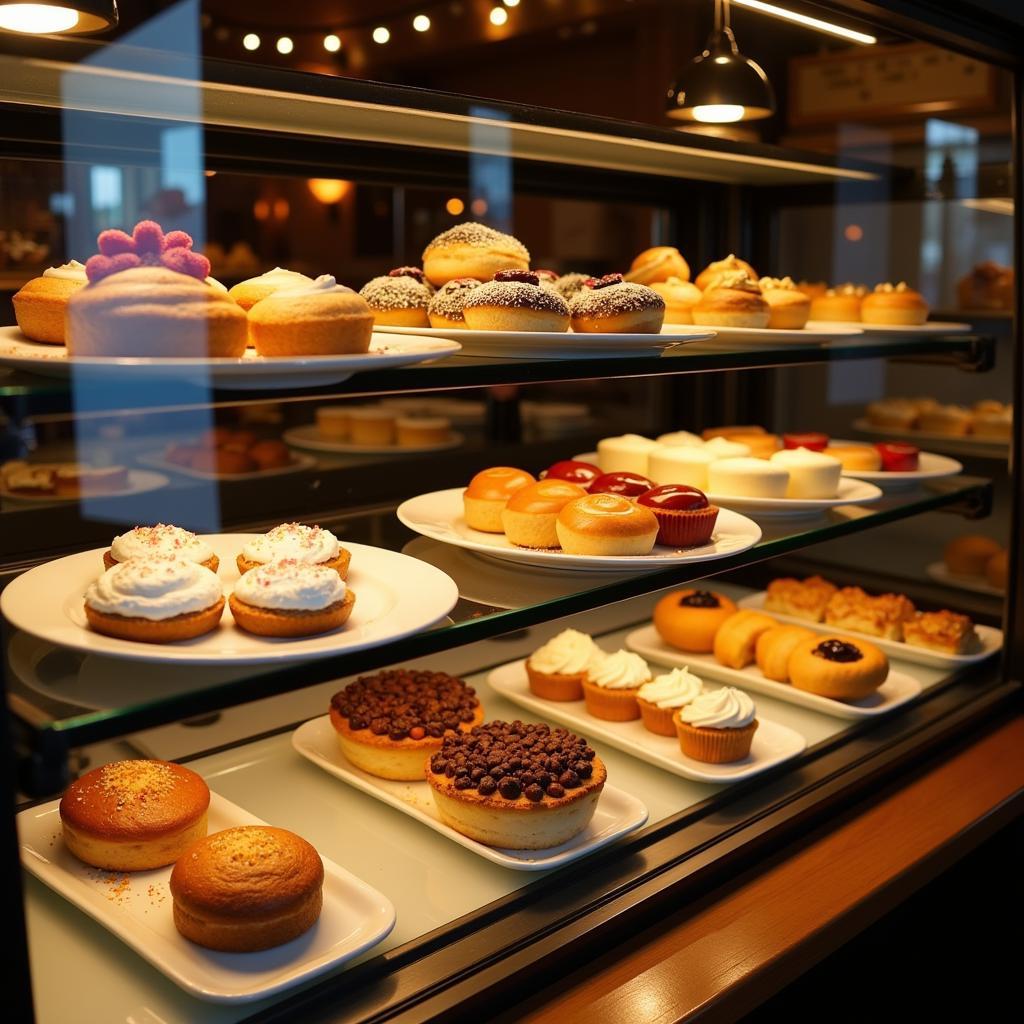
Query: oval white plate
x=309, y=437
x=438, y=515
x=816, y=330
x=965, y=442
x=139, y=481
x=939, y=572
x=896, y=690
x=773, y=743
x=617, y=813
x=387, y=350
x=562, y=345
x=990, y=639
x=930, y=467
x=354, y=918
x=299, y=462
x=851, y=492
x=396, y=596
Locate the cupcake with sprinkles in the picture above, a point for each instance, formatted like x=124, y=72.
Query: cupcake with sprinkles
x=515, y=301
x=446, y=307
x=310, y=545
x=610, y=305
x=400, y=298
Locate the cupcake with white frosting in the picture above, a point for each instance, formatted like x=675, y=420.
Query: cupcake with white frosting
x=611, y=687
x=39, y=305
x=248, y=293
x=155, y=600
x=291, y=598
x=717, y=727
x=160, y=541
x=663, y=696
x=310, y=545
x=557, y=670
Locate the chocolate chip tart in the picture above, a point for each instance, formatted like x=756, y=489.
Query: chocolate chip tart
x=515, y=785
x=390, y=723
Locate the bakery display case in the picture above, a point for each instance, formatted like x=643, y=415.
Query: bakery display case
x=492, y=637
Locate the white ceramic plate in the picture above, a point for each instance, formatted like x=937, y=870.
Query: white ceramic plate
x=773, y=743
x=396, y=596
x=309, y=437
x=939, y=572
x=156, y=459
x=930, y=467
x=438, y=515
x=354, y=916
x=990, y=639
x=387, y=350
x=896, y=690
x=816, y=330
x=616, y=815
x=561, y=345
x=139, y=481
x=851, y=492
x=962, y=442
x=931, y=327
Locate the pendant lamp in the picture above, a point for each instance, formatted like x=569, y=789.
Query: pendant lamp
x=52, y=17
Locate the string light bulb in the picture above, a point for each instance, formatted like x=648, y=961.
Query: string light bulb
x=251, y=41
x=498, y=16
x=285, y=45
x=332, y=44
x=421, y=23
x=381, y=35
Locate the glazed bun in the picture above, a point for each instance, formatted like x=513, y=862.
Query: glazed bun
x=472, y=250
x=713, y=270
x=606, y=524
x=530, y=513
x=487, y=494
x=658, y=264
x=837, y=667
x=789, y=308
x=969, y=555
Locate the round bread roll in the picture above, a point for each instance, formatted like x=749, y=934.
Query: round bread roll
x=472, y=250
x=894, y=304
x=680, y=297
x=729, y=264
x=970, y=555
x=247, y=888
x=611, y=305
x=658, y=264
x=840, y=304
x=399, y=298
x=530, y=513
x=487, y=494
x=774, y=648
x=732, y=299
x=736, y=639
x=789, y=308
x=606, y=524
x=134, y=815
x=837, y=667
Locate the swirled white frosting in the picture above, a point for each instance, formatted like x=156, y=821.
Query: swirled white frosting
x=675, y=689
x=309, y=544
x=726, y=708
x=73, y=271
x=622, y=670
x=154, y=589
x=568, y=653
x=325, y=284
x=291, y=586
x=160, y=541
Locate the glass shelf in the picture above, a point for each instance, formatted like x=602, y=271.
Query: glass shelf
x=68, y=698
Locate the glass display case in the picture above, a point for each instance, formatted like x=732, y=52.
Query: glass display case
x=319, y=174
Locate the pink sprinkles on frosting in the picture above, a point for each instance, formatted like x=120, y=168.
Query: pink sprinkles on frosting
x=146, y=246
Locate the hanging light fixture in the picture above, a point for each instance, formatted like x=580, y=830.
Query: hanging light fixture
x=49, y=17
x=721, y=85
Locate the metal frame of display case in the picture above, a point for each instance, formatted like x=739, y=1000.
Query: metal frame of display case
x=522, y=939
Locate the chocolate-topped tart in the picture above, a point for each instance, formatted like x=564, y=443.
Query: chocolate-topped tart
x=390, y=723
x=516, y=785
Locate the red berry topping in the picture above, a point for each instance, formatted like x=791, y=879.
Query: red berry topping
x=628, y=485
x=413, y=272
x=99, y=266
x=603, y=282
x=177, y=240
x=812, y=442
x=547, y=275
x=522, y=276
x=678, y=497
x=113, y=242
x=184, y=261
x=147, y=245
x=149, y=238
x=897, y=457
x=576, y=472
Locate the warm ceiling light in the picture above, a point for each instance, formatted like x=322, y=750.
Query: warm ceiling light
x=478, y=207
x=510, y=3
x=853, y=232
x=285, y=45
x=329, y=190
x=261, y=209
x=721, y=85
x=251, y=41
x=332, y=43
x=455, y=206
x=281, y=208
x=498, y=15
x=803, y=19
x=52, y=17
x=381, y=35
x=421, y=23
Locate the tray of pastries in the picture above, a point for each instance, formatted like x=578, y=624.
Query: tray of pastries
x=31, y=481
x=986, y=422
x=223, y=453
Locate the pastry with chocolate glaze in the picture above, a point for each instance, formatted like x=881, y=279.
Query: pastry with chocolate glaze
x=399, y=298
x=516, y=785
x=515, y=301
x=610, y=305
x=445, y=310
x=389, y=723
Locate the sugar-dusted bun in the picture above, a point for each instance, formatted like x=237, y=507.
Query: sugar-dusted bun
x=658, y=264
x=150, y=311
x=862, y=457
x=318, y=319
x=736, y=639
x=515, y=301
x=969, y=555
x=789, y=308
x=611, y=305
x=605, y=524
x=248, y=293
x=40, y=305
x=134, y=815
x=729, y=264
x=839, y=304
x=894, y=304
x=680, y=297
x=247, y=888
x=399, y=298
x=446, y=307
x=487, y=494
x=689, y=619
x=732, y=299
x=774, y=647
x=837, y=667
x=472, y=250
x=529, y=516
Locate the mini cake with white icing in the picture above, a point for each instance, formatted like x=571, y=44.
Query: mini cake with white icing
x=811, y=474
x=747, y=478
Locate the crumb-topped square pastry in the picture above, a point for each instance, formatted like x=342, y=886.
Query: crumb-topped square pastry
x=944, y=631
x=803, y=599
x=884, y=615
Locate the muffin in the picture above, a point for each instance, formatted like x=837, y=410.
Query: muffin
x=40, y=305
x=529, y=516
x=715, y=269
x=894, y=304
x=732, y=299
x=717, y=727
x=556, y=670
x=248, y=293
x=661, y=698
x=788, y=307
x=611, y=686
x=680, y=298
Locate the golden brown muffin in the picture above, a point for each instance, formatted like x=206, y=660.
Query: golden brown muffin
x=840, y=304
x=40, y=304
x=732, y=299
x=680, y=297
x=487, y=494
x=789, y=308
x=730, y=264
x=894, y=304
x=247, y=888
x=528, y=518
x=606, y=524
x=134, y=815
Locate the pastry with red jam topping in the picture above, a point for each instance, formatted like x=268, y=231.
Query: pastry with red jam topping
x=898, y=457
x=628, y=485
x=516, y=785
x=838, y=667
x=515, y=301
x=400, y=298
x=390, y=723
x=685, y=517
x=574, y=471
x=689, y=619
x=812, y=441
x=610, y=305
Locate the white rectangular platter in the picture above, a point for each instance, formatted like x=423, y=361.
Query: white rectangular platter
x=140, y=913
x=990, y=640
x=616, y=815
x=896, y=690
x=773, y=743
